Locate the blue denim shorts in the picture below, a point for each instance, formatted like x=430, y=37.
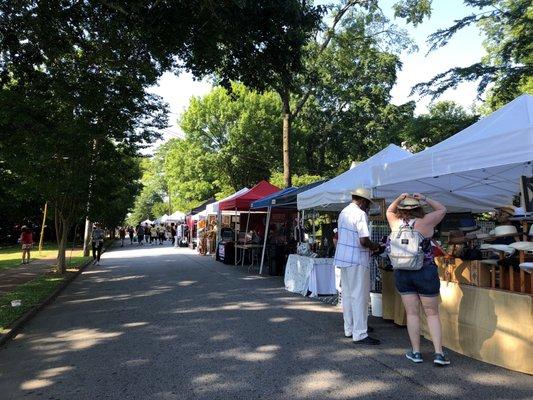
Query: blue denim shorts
x=424, y=282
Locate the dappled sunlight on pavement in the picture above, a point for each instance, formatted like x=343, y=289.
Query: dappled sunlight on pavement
x=173, y=325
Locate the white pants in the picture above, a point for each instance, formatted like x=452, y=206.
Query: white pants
x=176, y=241
x=355, y=283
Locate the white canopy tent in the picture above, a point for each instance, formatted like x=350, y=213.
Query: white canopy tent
x=147, y=221
x=476, y=170
x=213, y=208
x=335, y=194
x=163, y=219
x=177, y=216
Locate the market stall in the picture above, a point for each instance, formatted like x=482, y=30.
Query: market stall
x=487, y=306
x=282, y=233
x=238, y=204
x=328, y=198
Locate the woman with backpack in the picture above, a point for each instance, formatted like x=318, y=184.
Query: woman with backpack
x=415, y=271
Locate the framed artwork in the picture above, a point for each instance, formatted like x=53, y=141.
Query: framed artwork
x=378, y=210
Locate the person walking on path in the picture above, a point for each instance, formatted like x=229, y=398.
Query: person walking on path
x=153, y=234
x=26, y=241
x=147, y=233
x=131, y=234
x=97, y=240
x=122, y=235
x=352, y=256
x=161, y=233
x=419, y=286
x=140, y=234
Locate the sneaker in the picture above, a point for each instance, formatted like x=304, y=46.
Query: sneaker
x=98, y=263
x=440, y=359
x=368, y=340
x=415, y=357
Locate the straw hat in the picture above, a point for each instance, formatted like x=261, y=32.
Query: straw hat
x=409, y=203
x=362, y=192
x=505, y=230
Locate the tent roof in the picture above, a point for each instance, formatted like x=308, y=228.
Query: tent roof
x=202, y=206
x=176, y=216
x=271, y=199
x=285, y=198
x=335, y=193
x=213, y=207
x=477, y=169
x=243, y=201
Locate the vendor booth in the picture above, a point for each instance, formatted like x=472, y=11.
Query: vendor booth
x=328, y=199
x=486, y=289
x=238, y=204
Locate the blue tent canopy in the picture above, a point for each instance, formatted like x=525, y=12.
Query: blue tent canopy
x=284, y=198
x=288, y=200
x=270, y=200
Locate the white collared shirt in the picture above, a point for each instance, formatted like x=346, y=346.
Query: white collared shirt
x=353, y=225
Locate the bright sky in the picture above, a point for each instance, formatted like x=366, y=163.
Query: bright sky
x=464, y=49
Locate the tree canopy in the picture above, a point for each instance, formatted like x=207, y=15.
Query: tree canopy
x=508, y=66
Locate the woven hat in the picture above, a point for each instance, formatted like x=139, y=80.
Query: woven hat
x=505, y=230
x=362, y=192
x=409, y=203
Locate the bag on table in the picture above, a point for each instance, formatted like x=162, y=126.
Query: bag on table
x=405, y=250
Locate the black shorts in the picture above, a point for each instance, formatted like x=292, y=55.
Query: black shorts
x=424, y=282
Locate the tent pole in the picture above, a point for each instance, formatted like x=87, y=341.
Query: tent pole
x=245, y=235
x=265, y=241
x=314, y=229
x=236, y=235
x=302, y=227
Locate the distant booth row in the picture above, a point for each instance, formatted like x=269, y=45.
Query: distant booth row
x=485, y=242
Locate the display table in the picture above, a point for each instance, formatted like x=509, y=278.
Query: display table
x=490, y=325
x=303, y=274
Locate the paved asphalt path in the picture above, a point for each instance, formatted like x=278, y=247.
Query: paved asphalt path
x=164, y=323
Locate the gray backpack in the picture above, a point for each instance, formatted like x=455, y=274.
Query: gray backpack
x=406, y=248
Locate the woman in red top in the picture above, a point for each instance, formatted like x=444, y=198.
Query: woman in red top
x=26, y=239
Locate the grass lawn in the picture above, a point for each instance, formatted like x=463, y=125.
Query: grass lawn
x=11, y=256
x=32, y=293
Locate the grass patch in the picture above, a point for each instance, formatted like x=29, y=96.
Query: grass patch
x=11, y=256
x=31, y=293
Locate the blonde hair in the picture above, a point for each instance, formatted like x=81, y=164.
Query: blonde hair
x=417, y=212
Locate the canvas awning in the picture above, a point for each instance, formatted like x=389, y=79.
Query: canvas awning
x=477, y=169
x=243, y=201
x=213, y=207
x=335, y=194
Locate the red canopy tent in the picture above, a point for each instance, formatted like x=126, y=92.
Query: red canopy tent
x=243, y=202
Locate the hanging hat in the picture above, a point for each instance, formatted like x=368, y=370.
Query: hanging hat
x=362, y=192
x=409, y=203
x=505, y=230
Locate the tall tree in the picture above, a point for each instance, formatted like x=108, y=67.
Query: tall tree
x=241, y=128
x=508, y=64
x=73, y=76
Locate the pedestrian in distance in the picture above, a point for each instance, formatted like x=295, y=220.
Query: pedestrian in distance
x=140, y=234
x=147, y=233
x=26, y=241
x=97, y=240
x=352, y=256
x=122, y=235
x=417, y=278
x=161, y=233
x=153, y=234
x=131, y=234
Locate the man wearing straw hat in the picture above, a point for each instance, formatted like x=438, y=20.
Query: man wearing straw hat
x=352, y=256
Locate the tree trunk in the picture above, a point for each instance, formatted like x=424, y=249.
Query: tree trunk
x=87, y=238
x=286, y=110
x=62, y=227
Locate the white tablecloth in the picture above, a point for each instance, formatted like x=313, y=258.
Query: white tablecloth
x=303, y=274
